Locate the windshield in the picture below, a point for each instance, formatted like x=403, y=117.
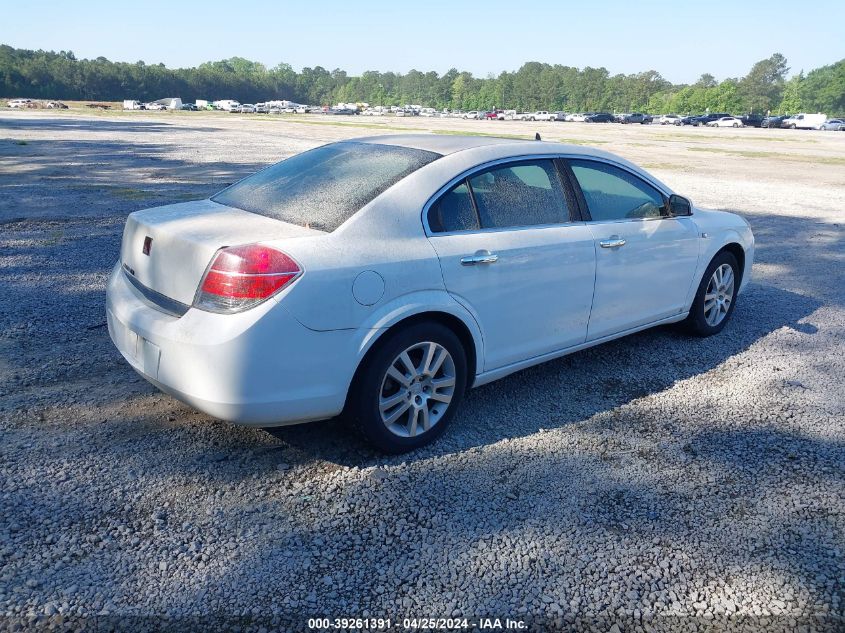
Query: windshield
x=324, y=187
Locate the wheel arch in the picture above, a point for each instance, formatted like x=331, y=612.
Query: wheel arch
x=464, y=332
x=735, y=249
x=731, y=244
x=468, y=336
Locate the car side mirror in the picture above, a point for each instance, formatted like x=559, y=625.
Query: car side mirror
x=679, y=206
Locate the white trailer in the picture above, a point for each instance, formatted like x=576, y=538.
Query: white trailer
x=129, y=104
x=170, y=103
x=226, y=104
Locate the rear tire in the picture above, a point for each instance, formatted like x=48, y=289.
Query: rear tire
x=398, y=407
x=715, y=298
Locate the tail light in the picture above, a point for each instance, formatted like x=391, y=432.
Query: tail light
x=241, y=277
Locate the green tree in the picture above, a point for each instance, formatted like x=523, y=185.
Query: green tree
x=792, y=102
x=762, y=88
x=823, y=89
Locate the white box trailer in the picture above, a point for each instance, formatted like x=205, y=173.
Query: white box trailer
x=202, y=104
x=129, y=104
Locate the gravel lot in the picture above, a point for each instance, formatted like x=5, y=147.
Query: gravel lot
x=658, y=481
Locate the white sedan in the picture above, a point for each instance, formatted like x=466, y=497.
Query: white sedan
x=380, y=278
x=726, y=121
x=669, y=119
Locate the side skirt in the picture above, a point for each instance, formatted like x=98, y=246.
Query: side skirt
x=494, y=374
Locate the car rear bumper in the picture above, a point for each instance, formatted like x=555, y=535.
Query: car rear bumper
x=260, y=367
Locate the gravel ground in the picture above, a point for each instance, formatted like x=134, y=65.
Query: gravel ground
x=658, y=482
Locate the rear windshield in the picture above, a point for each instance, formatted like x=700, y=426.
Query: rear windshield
x=324, y=187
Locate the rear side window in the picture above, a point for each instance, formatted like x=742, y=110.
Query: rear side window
x=528, y=193
x=324, y=187
x=615, y=194
x=453, y=211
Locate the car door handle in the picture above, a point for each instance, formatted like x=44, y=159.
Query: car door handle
x=613, y=242
x=480, y=257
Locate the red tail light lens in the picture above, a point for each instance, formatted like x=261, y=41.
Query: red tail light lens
x=241, y=277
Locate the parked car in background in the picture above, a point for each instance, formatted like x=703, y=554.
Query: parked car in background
x=686, y=120
x=579, y=117
x=542, y=115
x=472, y=114
x=752, y=120
x=153, y=106
x=803, y=121
x=247, y=108
x=56, y=105
x=599, y=117
x=494, y=115
x=773, y=121
x=704, y=119
x=633, y=117
x=19, y=103
x=262, y=108
x=668, y=119
x=191, y=107
x=725, y=121
x=837, y=125
x=356, y=252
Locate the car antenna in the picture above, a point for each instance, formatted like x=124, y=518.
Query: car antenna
x=537, y=136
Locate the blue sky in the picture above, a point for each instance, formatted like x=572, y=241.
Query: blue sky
x=678, y=39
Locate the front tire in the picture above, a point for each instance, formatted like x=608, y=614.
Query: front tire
x=715, y=299
x=406, y=393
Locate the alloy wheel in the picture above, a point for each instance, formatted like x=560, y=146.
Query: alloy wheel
x=416, y=389
x=719, y=295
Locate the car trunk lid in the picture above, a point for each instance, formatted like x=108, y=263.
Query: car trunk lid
x=168, y=249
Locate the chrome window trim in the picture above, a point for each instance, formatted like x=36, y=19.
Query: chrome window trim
x=468, y=174
x=527, y=157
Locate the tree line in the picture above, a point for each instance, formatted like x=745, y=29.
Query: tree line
x=50, y=75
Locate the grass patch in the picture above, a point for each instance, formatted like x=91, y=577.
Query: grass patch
x=664, y=166
x=125, y=193
x=520, y=137
x=373, y=126
x=580, y=141
x=130, y=193
x=188, y=195
x=819, y=160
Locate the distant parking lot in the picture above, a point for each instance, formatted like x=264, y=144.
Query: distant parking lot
x=657, y=480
